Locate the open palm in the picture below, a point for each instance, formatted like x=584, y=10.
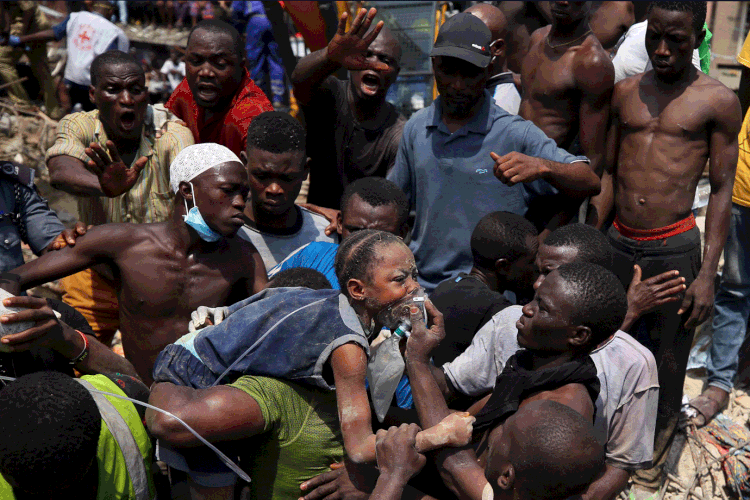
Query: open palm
x=349, y=49
x=115, y=178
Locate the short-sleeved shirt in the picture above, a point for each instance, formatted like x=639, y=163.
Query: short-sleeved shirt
x=301, y=436
x=626, y=406
x=450, y=182
x=741, y=190
x=277, y=246
x=89, y=35
x=150, y=199
x=318, y=255
x=228, y=128
x=467, y=304
x=341, y=149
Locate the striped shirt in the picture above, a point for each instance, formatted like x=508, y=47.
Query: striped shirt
x=150, y=199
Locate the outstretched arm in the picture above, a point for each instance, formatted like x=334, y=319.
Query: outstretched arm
x=220, y=413
x=48, y=331
x=100, y=245
x=346, y=49
x=723, y=153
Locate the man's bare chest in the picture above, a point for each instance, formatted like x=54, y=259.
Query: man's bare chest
x=549, y=80
x=677, y=118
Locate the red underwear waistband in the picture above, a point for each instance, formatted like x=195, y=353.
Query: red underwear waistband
x=660, y=233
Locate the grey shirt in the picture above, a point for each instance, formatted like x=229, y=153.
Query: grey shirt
x=451, y=185
x=625, y=408
x=275, y=247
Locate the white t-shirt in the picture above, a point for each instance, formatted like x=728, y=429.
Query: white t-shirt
x=631, y=57
x=274, y=248
x=507, y=97
x=174, y=79
x=626, y=405
x=88, y=36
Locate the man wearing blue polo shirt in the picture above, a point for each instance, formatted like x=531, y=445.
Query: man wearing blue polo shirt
x=450, y=151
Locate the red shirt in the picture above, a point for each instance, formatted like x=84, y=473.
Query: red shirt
x=228, y=128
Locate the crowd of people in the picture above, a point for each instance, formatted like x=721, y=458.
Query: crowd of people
x=542, y=203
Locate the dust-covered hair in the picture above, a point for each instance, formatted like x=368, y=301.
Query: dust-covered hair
x=357, y=252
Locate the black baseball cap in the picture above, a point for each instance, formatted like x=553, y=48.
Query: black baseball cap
x=466, y=37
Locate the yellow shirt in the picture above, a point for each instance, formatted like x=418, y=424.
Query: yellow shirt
x=150, y=199
x=741, y=191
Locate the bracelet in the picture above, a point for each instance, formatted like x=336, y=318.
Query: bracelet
x=85, y=353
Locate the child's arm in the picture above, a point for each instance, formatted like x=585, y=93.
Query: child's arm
x=349, y=364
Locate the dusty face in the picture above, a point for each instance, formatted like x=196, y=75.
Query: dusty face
x=546, y=325
x=220, y=195
x=275, y=179
x=213, y=69
x=569, y=12
x=391, y=277
x=121, y=96
x=461, y=84
x=549, y=258
x=372, y=84
x=670, y=41
x=359, y=215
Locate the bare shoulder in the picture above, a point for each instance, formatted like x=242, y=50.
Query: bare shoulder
x=539, y=34
x=593, y=68
x=625, y=87
x=717, y=97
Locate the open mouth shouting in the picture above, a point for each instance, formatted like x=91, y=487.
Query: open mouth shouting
x=207, y=92
x=128, y=120
x=371, y=83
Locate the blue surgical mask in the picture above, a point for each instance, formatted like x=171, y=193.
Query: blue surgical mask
x=195, y=220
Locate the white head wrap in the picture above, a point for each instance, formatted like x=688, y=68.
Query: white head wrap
x=196, y=159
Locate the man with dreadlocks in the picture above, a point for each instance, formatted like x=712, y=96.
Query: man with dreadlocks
x=277, y=164
x=666, y=124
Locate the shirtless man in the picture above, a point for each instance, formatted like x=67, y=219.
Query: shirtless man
x=666, y=123
x=567, y=79
x=166, y=270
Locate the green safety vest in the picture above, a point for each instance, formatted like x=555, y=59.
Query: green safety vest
x=124, y=450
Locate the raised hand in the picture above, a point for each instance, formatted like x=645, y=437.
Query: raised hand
x=115, y=178
x=349, y=49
